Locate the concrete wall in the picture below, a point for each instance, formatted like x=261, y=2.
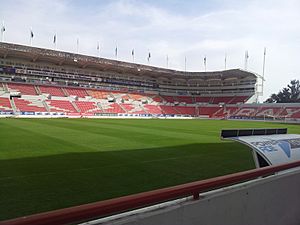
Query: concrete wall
x=274, y=200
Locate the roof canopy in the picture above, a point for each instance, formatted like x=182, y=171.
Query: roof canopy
x=34, y=54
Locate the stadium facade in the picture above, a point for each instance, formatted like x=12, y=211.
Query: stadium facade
x=43, y=82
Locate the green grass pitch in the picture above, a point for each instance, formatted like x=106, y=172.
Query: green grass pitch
x=47, y=164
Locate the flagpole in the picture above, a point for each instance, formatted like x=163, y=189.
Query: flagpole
x=54, y=40
x=263, y=72
x=245, y=66
x=132, y=54
x=2, y=31
x=264, y=62
x=185, y=64
x=167, y=62
x=246, y=60
x=149, y=56
x=98, y=49
x=31, y=36
x=225, y=61
x=205, y=63
x=77, y=43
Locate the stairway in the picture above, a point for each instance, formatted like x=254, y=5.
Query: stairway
x=75, y=106
x=37, y=89
x=13, y=105
x=46, y=106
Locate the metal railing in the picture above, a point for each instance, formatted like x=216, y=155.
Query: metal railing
x=114, y=206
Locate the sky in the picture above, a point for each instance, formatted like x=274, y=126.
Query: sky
x=179, y=29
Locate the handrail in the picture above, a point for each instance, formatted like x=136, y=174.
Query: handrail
x=100, y=209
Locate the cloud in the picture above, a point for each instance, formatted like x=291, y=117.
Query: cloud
x=162, y=28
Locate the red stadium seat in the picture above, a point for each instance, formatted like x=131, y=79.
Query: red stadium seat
x=208, y=111
x=153, y=109
x=186, y=99
x=186, y=110
x=169, y=110
x=86, y=107
x=54, y=91
x=61, y=106
x=169, y=99
x=202, y=99
x=98, y=94
x=29, y=106
x=77, y=92
x=114, y=108
x=24, y=89
x=5, y=105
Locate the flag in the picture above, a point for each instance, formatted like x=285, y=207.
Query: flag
x=98, y=46
x=265, y=51
x=116, y=51
x=149, y=56
x=31, y=34
x=132, y=52
x=54, y=39
x=204, y=61
x=2, y=31
x=246, y=55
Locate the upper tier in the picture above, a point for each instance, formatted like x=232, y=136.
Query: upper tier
x=30, y=64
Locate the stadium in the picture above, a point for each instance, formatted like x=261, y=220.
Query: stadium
x=47, y=83
x=78, y=129
x=128, y=112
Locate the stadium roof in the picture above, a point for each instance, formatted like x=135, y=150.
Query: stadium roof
x=34, y=54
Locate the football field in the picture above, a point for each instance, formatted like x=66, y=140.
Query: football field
x=47, y=164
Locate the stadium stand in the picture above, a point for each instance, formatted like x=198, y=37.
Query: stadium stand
x=136, y=97
x=157, y=99
x=87, y=107
x=290, y=112
x=52, y=90
x=5, y=105
x=113, y=108
x=133, y=108
x=153, y=109
x=76, y=92
x=208, y=111
x=238, y=99
x=170, y=99
x=61, y=106
x=2, y=89
x=217, y=100
x=267, y=111
x=105, y=87
x=24, y=89
x=29, y=105
x=98, y=94
x=169, y=110
x=203, y=99
x=186, y=99
x=225, y=112
x=186, y=110
x=245, y=111
x=99, y=104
